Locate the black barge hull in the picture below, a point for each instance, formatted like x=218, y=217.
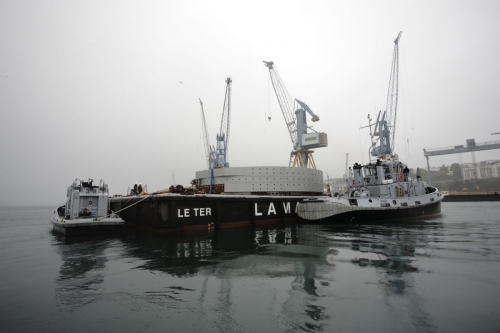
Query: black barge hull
x=168, y=211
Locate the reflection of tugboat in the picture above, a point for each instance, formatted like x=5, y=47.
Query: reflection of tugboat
x=380, y=190
x=86, y=210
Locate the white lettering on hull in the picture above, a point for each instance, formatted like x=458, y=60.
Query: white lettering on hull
x=201, y=212
x=287, y=209
x=271, y=209
x=186, y=212
x=257, y=213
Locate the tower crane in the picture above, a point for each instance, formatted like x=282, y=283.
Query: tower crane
x=296, y=122
x=209, y=149
x=223, y=135
x=385, y=126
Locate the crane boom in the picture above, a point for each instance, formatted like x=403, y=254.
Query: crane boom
x=284, y=101
x=209, y=150
x=223, y=135
x=392, y=93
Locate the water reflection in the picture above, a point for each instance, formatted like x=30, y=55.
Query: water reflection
x=298, y=274
x=82, y=270
x=390, y=249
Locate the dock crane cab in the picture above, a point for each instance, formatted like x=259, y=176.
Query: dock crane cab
x=296, y=121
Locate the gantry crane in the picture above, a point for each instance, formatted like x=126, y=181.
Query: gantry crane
x=385, y=126
x=296, y=122
x=223, y=135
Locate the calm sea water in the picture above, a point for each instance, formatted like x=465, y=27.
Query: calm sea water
x=435, y=275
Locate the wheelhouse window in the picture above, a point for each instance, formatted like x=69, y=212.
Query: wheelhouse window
x=369, y=171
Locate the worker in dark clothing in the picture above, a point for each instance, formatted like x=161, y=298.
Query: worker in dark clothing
x=378, y=162
x=139, y=189
x=134, y=190
x=406, y=171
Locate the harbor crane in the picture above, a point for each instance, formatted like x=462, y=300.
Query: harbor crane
x=385, y=126
x=296, y=122
x=209, y=149
x=216, y=156
x=222, y=138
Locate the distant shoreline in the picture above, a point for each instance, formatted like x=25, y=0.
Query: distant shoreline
x=469, y=196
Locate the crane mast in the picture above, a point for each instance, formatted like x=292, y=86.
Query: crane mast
x=296, y=122
x=223, y=135
x=209, y=149
x=385, y=126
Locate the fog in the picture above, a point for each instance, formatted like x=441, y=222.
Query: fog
x=109, y=89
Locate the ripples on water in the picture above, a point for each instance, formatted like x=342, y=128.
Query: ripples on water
x=436, y=275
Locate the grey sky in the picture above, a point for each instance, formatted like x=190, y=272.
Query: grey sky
x=91, y=88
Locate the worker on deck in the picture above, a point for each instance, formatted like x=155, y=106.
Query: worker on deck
x=134, y=190
x=139, y=189
x=406, y=171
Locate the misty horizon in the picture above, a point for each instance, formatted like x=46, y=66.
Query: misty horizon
x=110, y=90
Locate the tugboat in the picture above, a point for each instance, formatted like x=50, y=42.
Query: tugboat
x=376, y=191
x=379, y=190
x=86, y=210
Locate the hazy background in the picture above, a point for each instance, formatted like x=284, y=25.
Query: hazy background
x=91, y=88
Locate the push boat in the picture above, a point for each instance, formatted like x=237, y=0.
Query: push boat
x=86, y=210
x=381, y=190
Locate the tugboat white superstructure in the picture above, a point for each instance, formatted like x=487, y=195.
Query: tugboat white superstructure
x=381, y=190
x=86, y=210
x=376, y=191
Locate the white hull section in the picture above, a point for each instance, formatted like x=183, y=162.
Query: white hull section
x=84, y=222
x=329, y=207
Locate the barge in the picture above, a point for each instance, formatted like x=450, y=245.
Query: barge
x=245, y=195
